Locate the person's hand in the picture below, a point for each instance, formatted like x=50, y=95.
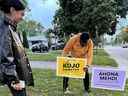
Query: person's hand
x=86, y=68
x=17, y=86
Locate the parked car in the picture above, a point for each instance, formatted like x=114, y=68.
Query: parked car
x=125, y=45
x=54, y=47
x=39, y=47
x=60, y=46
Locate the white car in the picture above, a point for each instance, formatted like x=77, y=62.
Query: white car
x=125, y=45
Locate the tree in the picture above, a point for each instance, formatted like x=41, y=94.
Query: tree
x=124, y=36
x=93, y=16
x=64, y=16
x=29, y=28
x=25, y=40
x=22, y=29
x=48, y=35
x=32, y=28
x=122, y=8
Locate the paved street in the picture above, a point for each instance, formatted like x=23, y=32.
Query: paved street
x=120, y=55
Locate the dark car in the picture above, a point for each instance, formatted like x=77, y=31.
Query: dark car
x=40, y=47
x=54, y=47
x=60, y=46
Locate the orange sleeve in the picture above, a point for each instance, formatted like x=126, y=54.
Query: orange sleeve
x=90, y=53
x=68, y=48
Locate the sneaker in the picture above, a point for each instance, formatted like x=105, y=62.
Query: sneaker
x=86, y=93
x=67, y=91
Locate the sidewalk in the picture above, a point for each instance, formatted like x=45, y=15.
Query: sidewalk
x=120, y=56
x=43, y=64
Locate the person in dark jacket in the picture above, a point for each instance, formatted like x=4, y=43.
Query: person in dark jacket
x=15, y=70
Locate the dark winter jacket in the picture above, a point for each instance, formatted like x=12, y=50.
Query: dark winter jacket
x=14, y=63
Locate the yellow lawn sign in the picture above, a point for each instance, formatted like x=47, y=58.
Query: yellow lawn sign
x=71, y=67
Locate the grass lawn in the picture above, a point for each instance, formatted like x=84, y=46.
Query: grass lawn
x=47, y=84
x=51, y=56
x=100, y=57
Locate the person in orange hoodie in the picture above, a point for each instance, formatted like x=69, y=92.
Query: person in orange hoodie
x=79, y=46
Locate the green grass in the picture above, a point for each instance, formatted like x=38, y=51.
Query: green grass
x=103, y=59
x=47, y=84
x=51, y=56
x=100, y=57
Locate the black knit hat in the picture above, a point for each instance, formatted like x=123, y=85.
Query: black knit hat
x=5, y=5
x=84, y=37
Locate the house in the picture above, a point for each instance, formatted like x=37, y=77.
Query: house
x=37, y=39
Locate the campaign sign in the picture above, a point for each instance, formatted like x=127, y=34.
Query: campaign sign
x=71, y=67
x=108, y=78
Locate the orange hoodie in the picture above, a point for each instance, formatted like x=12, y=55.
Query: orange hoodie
x=74, y=49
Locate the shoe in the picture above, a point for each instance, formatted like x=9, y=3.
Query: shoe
x=67, y=91
x=86, y=93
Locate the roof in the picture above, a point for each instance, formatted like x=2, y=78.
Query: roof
x=37, y=38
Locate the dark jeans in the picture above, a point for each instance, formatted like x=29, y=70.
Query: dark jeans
x=85, y=82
